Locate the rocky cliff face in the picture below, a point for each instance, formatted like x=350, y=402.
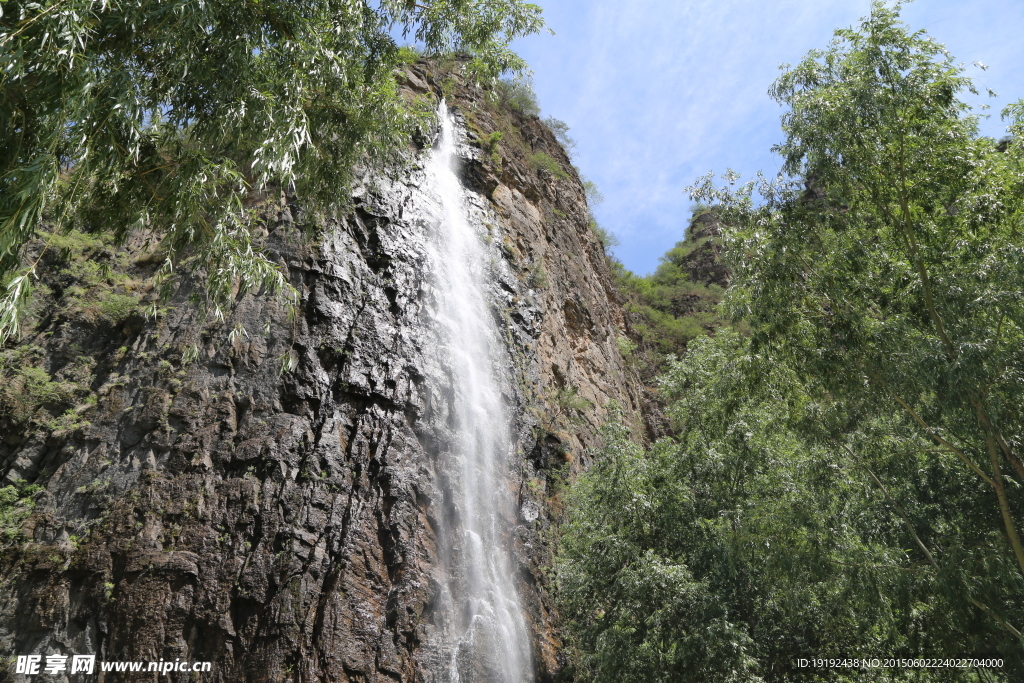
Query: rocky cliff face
x=264, y=492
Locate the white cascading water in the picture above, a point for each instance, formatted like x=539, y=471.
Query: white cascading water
x=490, y=640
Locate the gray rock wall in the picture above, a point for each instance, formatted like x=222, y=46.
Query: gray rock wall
x=270, y=505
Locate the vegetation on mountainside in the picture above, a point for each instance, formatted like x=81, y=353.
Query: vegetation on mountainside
x=90, y=285
x=679, y=301
x=515, y=94
x=120, y=114
x=509, y=100
x=844, y=479
x=16, y=504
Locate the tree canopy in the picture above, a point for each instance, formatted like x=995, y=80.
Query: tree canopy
x=847, y=478
x=168, y=113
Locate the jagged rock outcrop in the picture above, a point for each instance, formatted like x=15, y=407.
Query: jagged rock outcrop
x=703, y=263
x=698, y=257
x=262, y=493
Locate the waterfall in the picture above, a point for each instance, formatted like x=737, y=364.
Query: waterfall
x=488, y=639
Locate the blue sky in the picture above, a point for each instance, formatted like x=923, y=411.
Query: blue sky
x=659, y=92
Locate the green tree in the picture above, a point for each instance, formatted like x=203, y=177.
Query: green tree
x=749, y=540
x=170, y=113
x=845, y=479
x=638, y=601
x=890, y=276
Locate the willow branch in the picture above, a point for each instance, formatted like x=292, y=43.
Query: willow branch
x=1004, y=503
x=987, y=425
x=931, y=558
x=928, y=430
x=902, y=513
x=987, y=610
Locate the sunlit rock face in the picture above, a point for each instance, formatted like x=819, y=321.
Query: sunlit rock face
x=364, y=491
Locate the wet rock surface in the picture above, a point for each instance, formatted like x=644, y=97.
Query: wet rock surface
x=263, y=493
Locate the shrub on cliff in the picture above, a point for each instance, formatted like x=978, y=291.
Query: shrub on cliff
x=15, y=507
x=516, y=94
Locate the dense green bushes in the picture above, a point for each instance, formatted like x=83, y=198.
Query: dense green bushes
x=749, y=540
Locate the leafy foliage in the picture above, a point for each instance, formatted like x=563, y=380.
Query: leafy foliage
x=543, y=160
x=606, y=237
x=509, y=101
x=170, y=114
x=94, y=286
x=749, y=540
x=893, y=282
x=561, y=130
